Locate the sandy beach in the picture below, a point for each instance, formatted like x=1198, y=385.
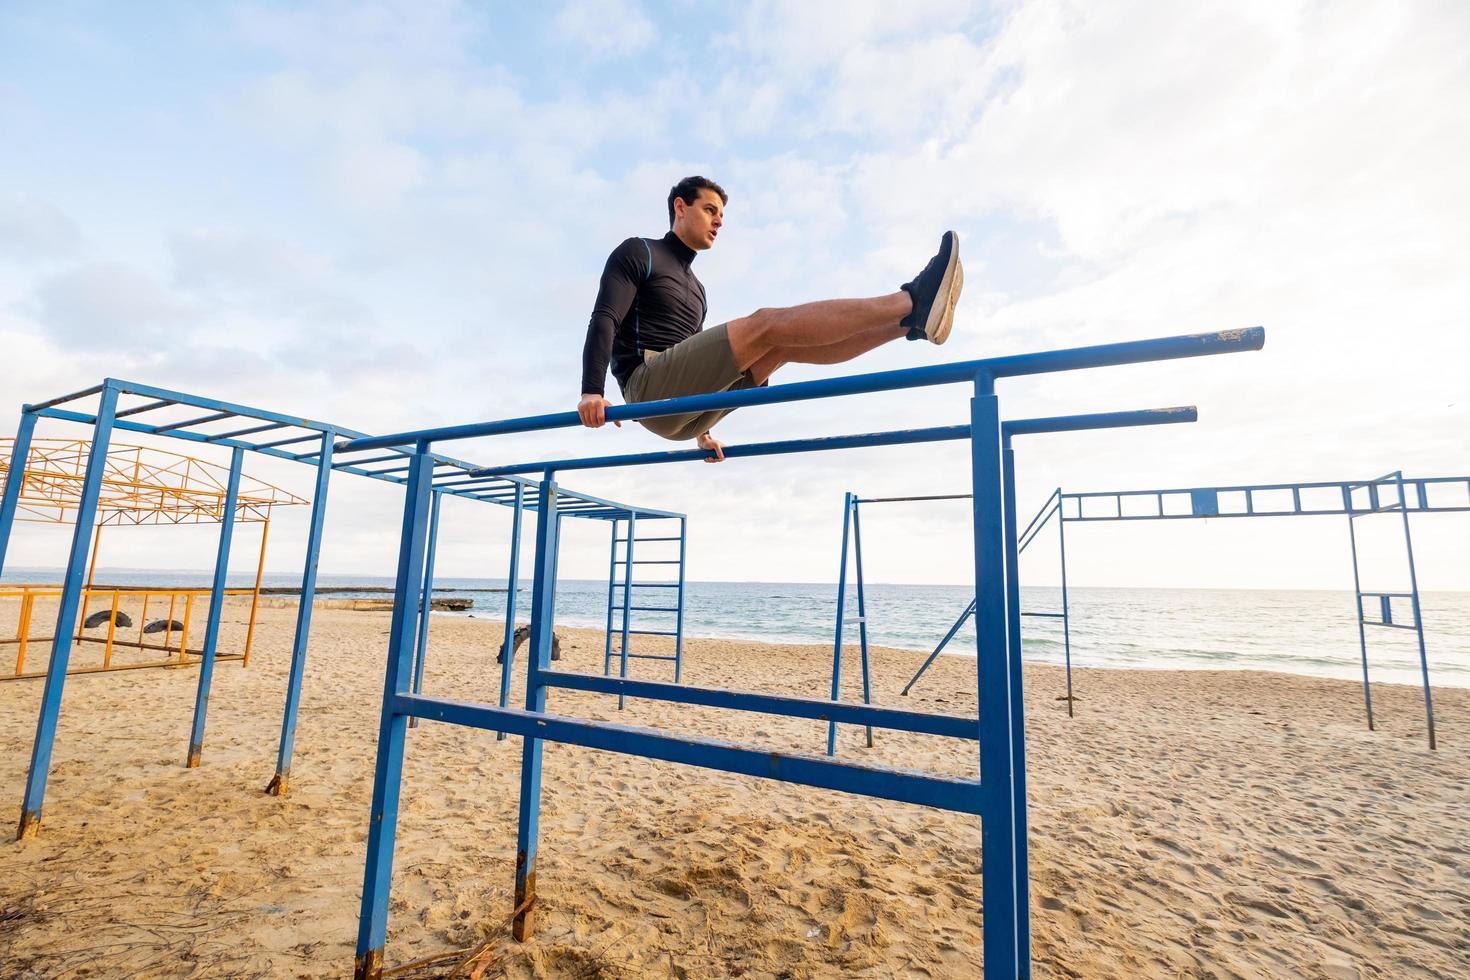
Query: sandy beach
x=1183, y=824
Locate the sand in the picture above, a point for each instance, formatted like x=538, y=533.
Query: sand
x=1182, y=824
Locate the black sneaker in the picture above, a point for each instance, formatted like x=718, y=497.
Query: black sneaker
x=935, y=292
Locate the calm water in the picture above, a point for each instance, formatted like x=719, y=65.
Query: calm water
x=1304, y=632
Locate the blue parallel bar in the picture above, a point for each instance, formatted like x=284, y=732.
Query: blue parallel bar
x=841, y=614
x=190, y=423
x=1358, y=611
x=84, y=393
x=823, y=444
x=1418, y=619
x=543, y=612
x=426, y=599
x=512, y=584
x=1045, y=615
x=1102, y=355
x=388, y=773
x=280, y=782
x=1002, y=944
x=1101, y=420
x=216, y=608
x=881, y=782
x=1018, y=724
x=893, y=719
x=612, y=586
x=66, y=617
x=20, y=454
x=267, y=427
x=1066, y=607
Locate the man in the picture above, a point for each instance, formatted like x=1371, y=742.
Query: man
x=649, y=320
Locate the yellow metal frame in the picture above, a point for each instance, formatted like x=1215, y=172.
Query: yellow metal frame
x=140, y=486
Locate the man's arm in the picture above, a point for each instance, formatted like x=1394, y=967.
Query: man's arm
x=626, y=267
x=709, y=443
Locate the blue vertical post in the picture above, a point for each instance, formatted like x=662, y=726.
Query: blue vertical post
x=1418, y=620
x=280, y=783
x=857, y=549
x=20, y=454
x=1358, y=608
x=612, y=591
x=512, y=584
x=1001, y=946
x=71, y=591
x=216, y=608
x=841, y=613
x=393, y=727
x=426, y=601
x=1018, y=715
x=543, y=609
x=1066, y=608
x=627, y=595
x=679, y=616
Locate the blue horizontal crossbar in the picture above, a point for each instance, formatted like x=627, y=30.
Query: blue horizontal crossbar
x=881, y=782
x=1101, y=420
x=1045, y=615
x=894, y=719
x=1045, y=362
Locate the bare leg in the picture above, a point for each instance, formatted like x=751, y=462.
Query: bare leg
x=824, y=324
x=835, y=353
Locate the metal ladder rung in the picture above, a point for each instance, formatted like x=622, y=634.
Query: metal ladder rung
x=648, y=561
x=1046, y=614
x=641, y=540
x=647, y=632
x=653, y=609
x=649, y=656
x=647, y=585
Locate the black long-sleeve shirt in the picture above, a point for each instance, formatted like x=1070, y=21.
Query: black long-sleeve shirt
x=648, y=300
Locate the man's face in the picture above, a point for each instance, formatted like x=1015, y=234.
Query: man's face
x=697, y=224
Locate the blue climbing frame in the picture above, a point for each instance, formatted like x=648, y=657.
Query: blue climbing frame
x=851, y=516
x=999, y=729
x=1389, y=494
x=133, y=407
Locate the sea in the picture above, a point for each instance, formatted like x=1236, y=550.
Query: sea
x=1298, y=632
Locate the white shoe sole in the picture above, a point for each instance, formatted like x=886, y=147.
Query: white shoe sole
x=941, y=314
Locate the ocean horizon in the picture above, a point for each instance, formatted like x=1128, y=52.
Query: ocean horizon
x=1297, y=631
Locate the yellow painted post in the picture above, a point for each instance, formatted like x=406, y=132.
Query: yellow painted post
x=184, y=636
x=168, y=631
x=24, y=629
x=111, y=629
x=143, y=620
x=87, y=592
x=265, y=530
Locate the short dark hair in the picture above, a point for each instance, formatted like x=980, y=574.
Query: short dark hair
x=687, y=190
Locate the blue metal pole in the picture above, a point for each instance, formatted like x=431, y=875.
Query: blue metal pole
x=969, y=611
x=426, y=602
x=1358, y=610
x=627, y=595
x=543, y=609
x=216, y=608
x=1018, y=722
x=71, y=592
x=1001, y=946
x=280, y=783
x=512, y=583
x=1066, y=609
x=612, y=591
x=841, y=613
x=857, y=549
x=393, y=727
x=20, y=454
x=679, y=616
x=1418, y=620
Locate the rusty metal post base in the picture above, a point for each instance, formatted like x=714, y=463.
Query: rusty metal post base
x=523, y=925
x=30, y=825
x=195, y=750
x=369, y=966
x=279, y=784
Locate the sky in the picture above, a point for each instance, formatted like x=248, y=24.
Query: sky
x=393, y=215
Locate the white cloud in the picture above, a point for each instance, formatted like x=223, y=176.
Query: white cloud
x=109, y=305
x=32, y=230
x=603, y=28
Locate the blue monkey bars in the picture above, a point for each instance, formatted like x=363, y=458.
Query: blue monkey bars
x=997, y=797
x=1392, y=493
x=851, y=518
x=121, y=405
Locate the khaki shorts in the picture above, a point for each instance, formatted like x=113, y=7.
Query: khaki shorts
x=699, y=365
